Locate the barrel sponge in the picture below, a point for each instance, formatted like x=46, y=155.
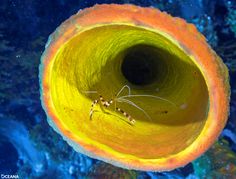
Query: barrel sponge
x=170, y=81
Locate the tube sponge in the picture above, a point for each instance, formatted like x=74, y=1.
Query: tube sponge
x=168, y=79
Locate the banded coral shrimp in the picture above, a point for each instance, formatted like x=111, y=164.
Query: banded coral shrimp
x=123, y=99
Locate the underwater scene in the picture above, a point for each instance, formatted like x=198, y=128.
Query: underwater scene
x=114, y=89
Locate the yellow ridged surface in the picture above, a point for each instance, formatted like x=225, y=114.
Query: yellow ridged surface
x=178, y=125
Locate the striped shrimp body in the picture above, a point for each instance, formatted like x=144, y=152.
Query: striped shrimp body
x=106, y=104
x=124, y=99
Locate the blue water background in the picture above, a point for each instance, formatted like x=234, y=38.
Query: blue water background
x=28, y=146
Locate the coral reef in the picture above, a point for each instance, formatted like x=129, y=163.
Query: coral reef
x=106, y=171
x=231, y=17
x=34, y=149
x=205, y=25
x=218, y=162
x=35, y=159
x=227, y=51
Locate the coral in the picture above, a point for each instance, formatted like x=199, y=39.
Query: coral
x=33, y=147
x=218, y=162
x=183, y=172
x=36, y=160
x=205, y=25
x=227, y=51
x=231, y=17
x=104, y=170
x=68, y=160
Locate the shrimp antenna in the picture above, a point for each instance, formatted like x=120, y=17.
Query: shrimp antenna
x=145, y=95
x=125, y=86
x=135, y=105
